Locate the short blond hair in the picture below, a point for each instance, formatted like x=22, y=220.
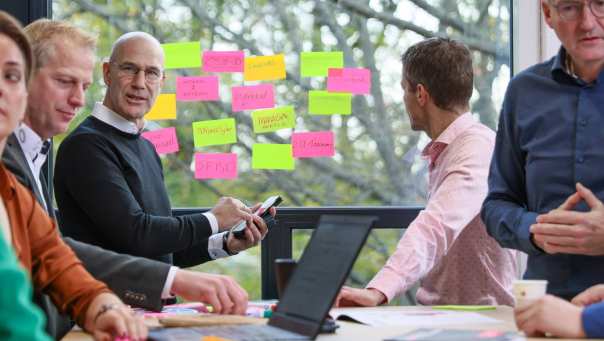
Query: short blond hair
x=44, y=34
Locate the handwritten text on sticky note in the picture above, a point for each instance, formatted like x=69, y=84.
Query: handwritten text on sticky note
x=316, y=64
x=263, y=68
x=329, y=103
x=353, y=80
x=163, y=109
x=272, y=156
x=266, y=120
x=164, y=140
x=215, y=166
x=182, y=55
x=214, y=132
x=197, y=88
x=313, y=144
x=223, y=61
x=252, y=97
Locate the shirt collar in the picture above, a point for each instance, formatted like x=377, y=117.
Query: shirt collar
x=562, y=67
x=110, y=117
x=31, y=143
x=433, y=150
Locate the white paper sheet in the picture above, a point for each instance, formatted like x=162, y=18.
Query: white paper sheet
x=411, y=318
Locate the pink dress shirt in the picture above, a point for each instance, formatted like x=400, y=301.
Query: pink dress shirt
x=447, y=247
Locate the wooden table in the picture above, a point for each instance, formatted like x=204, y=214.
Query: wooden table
x=350, y=331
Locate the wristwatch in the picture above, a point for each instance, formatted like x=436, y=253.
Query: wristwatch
x=225, y=238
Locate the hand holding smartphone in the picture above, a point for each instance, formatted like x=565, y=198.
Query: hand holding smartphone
x=239, y=229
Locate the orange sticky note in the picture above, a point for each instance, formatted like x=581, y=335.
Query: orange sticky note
x=264, y=68
x=164, y=108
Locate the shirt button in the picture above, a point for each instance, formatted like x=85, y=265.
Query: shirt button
x=580, y=159
x=583, y=122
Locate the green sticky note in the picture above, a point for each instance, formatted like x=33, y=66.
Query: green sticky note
x=316, y=64
x=329, y=103
x=182, y=55
x=266, y=120
x=214, y=132
x=464, y=307
x=272, y=156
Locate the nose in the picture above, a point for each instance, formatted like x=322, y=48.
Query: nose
x=588, y=20
x=77, y=98
x=139, y=80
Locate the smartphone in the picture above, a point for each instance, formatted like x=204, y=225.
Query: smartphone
x=239, y=229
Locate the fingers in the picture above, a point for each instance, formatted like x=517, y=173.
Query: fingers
x=571, y=202
x=260, y=225
x=562, y=217
x=560, y=230
x=587, y=195
x=238, y=296
x=592, y=295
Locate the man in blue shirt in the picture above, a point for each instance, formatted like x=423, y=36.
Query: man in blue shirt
x=549, y=142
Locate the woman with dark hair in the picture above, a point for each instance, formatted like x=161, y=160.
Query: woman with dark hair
x=52, y=266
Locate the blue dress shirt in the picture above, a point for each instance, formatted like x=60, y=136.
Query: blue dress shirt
x=550, y=136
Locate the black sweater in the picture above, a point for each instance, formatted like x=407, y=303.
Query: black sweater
x=110, y=192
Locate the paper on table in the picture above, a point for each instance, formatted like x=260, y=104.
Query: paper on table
x=410, y=318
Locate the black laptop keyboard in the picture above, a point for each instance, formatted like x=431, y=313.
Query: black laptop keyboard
x=238, y=332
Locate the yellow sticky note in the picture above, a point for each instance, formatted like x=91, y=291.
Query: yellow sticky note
x=164, y=108
x=272, y=156
x=182, y=55
x=264, y=68
x=316, y=64
x=214, y=132
x=329, y=103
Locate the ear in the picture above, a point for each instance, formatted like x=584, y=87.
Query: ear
x=106, y=71
x=547, y=12
x=422, y=95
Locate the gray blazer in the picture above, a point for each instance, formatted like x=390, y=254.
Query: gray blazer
x=137, y=281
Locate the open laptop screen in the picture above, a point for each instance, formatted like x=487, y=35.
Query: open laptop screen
x=323, y=267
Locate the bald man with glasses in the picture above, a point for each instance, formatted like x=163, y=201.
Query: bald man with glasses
x=545, y=184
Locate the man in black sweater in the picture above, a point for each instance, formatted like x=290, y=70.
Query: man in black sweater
x=109, y=179
x=62, y=74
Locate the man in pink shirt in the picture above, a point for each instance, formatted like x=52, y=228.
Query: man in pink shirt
x=446, y=247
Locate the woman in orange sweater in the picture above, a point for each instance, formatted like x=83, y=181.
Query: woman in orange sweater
x=52, y=265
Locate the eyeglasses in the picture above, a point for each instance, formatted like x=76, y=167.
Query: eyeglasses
x=152, y=74
x=572, y=10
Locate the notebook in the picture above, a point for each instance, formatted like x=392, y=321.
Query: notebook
x=312, y=289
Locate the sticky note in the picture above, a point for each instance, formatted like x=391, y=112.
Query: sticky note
x=197, y=88
x=182, y=55
x=252, y=97
x=263, y=68
x=328, y=103
x=214, y=132
x=353, y=80
x=215, y=166
x=223, y=61
x=316, y=64
x=164, y=140
x=272, y=156
x=163, y=109
x=266, y=120
x=313, y=144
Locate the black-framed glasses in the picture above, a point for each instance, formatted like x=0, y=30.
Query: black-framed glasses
x=152, y=74
x=572, y=10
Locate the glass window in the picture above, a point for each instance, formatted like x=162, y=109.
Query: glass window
x=377, y=155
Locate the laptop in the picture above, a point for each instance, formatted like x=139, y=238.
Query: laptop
x=310, y=293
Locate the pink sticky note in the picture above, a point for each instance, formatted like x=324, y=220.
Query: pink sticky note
x=215, y=166
x=197, y=88
x=223, y=61
x=164, y=140
x=356, y=81
x=313, y=144
x=253, y=97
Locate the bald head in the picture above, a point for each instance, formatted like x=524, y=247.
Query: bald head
x=134, y=37
x=134, y=75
